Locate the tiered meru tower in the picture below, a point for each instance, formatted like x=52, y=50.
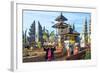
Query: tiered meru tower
x=64, y=30
x=61, y=27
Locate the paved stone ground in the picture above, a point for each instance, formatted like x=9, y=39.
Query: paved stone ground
x=41, y=57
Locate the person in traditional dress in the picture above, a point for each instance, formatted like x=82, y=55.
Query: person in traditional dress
x=67, y=46
x=76, y=49
x=49, y=53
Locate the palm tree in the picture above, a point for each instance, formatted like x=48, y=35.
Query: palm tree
x=51, y=36
x=45, y=36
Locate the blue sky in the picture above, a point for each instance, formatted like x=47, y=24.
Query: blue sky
x=47, y=17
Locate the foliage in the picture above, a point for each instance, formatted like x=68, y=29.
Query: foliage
x=45, y=36
x=31, y=37
x=48, y=36
x=52, y=36
x=87, y=55
x=24, y=38
x=39, y=44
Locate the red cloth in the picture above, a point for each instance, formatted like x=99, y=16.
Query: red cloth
x=49, y=54
x=76, y=50
x=68, y=52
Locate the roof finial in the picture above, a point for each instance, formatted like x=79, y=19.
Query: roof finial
x=61, y=18
x=73, y=27
x=61, y=14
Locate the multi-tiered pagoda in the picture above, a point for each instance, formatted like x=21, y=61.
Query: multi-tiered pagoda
x=64, y=30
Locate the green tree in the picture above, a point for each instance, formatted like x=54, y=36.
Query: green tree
x=39, y=44
x=52, y=36
x=32, y=33
x=24, y=38
x=88, y=55
x=45, y=36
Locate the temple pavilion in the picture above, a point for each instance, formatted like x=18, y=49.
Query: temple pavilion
x=64, y=30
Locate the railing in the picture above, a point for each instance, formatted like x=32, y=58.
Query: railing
x=78, y=56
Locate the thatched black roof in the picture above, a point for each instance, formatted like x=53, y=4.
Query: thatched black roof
x=61, y=18
x=60, y=25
